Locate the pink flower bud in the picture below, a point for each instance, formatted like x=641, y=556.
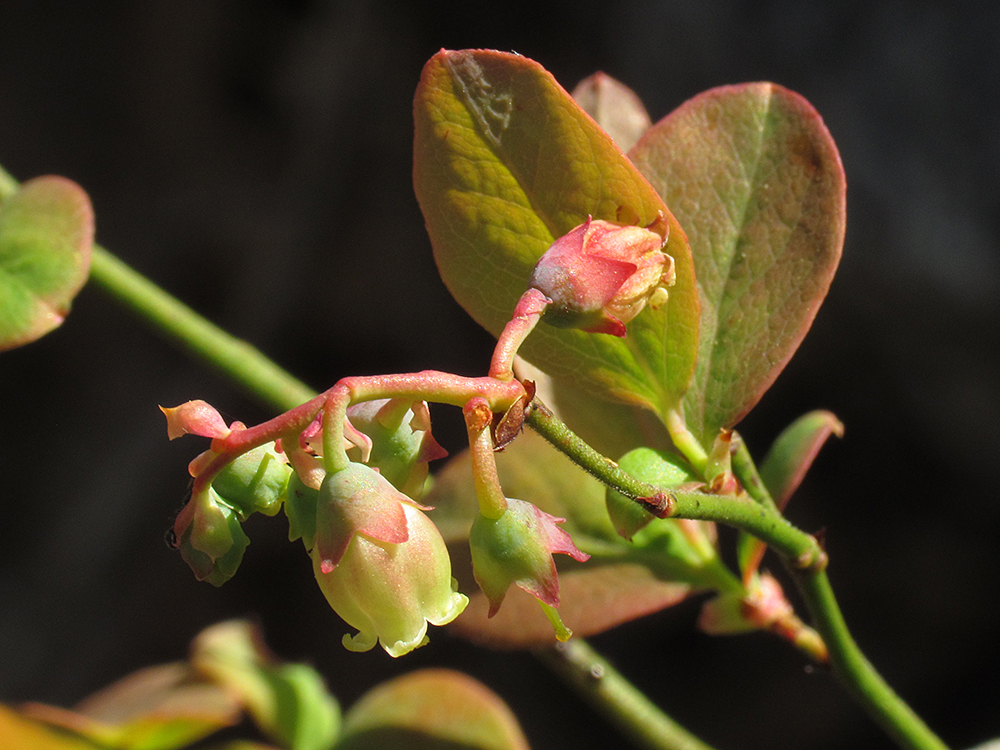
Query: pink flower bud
x=600, y=275
x=381, y=563
x=517, y=548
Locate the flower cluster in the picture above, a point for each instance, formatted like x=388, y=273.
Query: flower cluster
x=350, y=466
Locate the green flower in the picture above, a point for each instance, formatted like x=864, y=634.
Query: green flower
x=381, y=563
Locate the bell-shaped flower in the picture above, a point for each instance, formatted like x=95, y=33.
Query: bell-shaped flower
x=600, y=275
x=517, y=548
x=210, y=538
x=380, y=562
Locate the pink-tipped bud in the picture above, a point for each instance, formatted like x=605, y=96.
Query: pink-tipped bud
x=195, y=418
x=600, y=275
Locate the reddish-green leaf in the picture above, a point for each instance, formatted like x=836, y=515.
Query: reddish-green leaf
x=505, y=162
x=784, y=467
x=754, y=177
x=615, y=107
x=158, y=708
x=17, y=731
x=431, y=709
x=46, y=232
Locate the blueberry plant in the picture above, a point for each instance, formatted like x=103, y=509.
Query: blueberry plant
x=646, y=284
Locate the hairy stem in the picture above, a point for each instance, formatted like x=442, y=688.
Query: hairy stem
x=610, y=693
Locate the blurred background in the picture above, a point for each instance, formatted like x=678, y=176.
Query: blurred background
x=254, y=158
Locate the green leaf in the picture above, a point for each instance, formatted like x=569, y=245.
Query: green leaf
x=431, y=709
x=753, y=175
x=504, y=163
x=289, y=702
x=46, y=232
x=158, y=708
x=615, y=107
x=784, y=467
x=621, y=581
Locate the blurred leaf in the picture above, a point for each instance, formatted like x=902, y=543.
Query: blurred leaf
x=790, y=457
x=752, y=174
x=431, y=709
x=615, y=107
x=46, y=232
x=621, y=582
x=20, y=733
x=504, y=163
x=289, y=702
x=158, y=708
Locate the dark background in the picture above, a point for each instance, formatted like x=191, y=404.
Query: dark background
x=254, y=158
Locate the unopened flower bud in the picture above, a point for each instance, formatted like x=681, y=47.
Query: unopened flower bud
x=600, y=275
x=255, y=481
x=402, y=444
x=759, y=606
x=517, y=548
x=660, y=469
x=213, y=542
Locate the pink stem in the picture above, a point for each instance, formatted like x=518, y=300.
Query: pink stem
x=478, y=418
x=526, y=316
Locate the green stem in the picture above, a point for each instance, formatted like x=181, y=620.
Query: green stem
x=545, y=423
x=235, y=358
x=856, y=673
x=801, y=553
x=608, y=692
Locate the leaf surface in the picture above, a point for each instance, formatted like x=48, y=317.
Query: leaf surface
x=46, y=233
x=752, y=174
x=158, y=708
x=431, y=709
x=17, y=731
x=504, y=163
x=615, y=107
